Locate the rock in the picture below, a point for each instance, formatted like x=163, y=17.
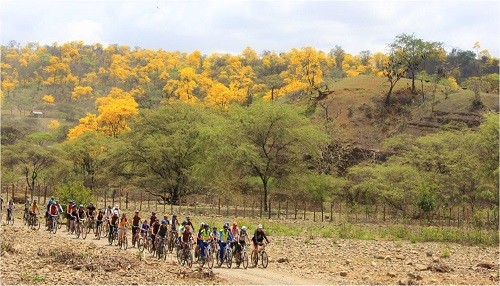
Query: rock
x=281, y=260
x=391, y=274
x=374, y=263
x=420, y=267
x=77, y=267
x=429, y=254
x=486, y=265
x=388, y=258
x=400, y=257
x=414, y=276
x=435, y=259
x=379, y=256
x=439, y=267
x=343, y=273
x=366, y=278
x=348, y=261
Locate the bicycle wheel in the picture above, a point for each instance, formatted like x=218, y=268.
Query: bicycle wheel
x=115, y=237
x=244, y=260
x=59, y=222
x=165, y=248
x=219, y=261
x=265, y=259
x=179, y=255
x=89, y=227
x=37, y=224
x=255, y=258
x=140, y=244
x=125, y=243
x=210, y=259
x=150, y=245
x=110, y=239
x=98, y=230
x=83, y=231
x=229, y=258
x=54, y=226
x=77, y=231
x=105, y=229
x=189, y=259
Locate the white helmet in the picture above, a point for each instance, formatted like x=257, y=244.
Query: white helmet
x=115, y=212
x=259, y=226
x=244, y=228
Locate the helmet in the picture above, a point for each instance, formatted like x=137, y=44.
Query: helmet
x=202, y=224
x=153, y=213
x=187, y=227
x=207, y=226
x=259, y=226
x=34, y=201
x=235, y=224
x=174, y=215
x=188, y=218
x=163, y=221
x=136, y=211
x=226, y=225
x=91, y=204
x=109, y=207
x=244, y=228
x=115, y=212
x=184, y=222
x=123, y=214
x=81, y=206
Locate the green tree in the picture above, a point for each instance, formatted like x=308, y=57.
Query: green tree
x=412, y=51
x=269, y=141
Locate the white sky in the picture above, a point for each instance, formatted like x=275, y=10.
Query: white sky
x=230, y=26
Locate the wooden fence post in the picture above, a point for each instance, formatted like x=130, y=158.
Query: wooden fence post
x=227, y=207
x=38, y=192
x=340, y=211
x=25, y=194
x=314, y=211
x=13, y=188
x=305, y=208
x=253, y=207
x=286, y=210
x=113, y=198
x=279, y=209
x=269, y=210
x=236, y=210
x=218, y=210
x=296, y=210
x=140, y=203
x=260, y=211
x=244, y=208
x=31, y=192
x=384, y=212
x=45, y=195
x=126, y=200
x=331, y=211
x=322, y=218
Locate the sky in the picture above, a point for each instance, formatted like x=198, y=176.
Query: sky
x=230, y=26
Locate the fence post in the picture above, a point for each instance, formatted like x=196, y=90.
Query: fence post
x=340, y=211
x=25, y=194
x=321, y=211
x=286, y=210
x=227, y=207
x=38, y=192
x=126, y=200
x=305, y=207
x=236, y=210
x=331, y=211
x=218, y=210
x=384, y=212
x=269, y=209
x=458, y=217
x=140, y=203
x=113, y=198
x=244, y=208
x=45, y=195
x=31, y=192
x=313, y=204
x=296, y=210
x=253, y=207
x=279, y=209
x=260, y=211
x=13, y=187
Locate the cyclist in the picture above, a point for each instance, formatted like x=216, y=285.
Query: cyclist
x=234, y=232
x=258, y=237
x=10, y=208
x=73, y=216
x=27, y=205
x=144, y=228
x=204, y=237
x=224, y=238
x=153, y=218
x=154, y=230
x=98, y=222
x=33, y=209
x=215, y=233
x=136, y=221
x=81, y=214
x=113, y=222
x=186, y=236
x=90, y=210
x=162, y=232
x=242, y=240
x=122, y=228
x=52, y=200
x=188, y=222
x=174, y=223
x=69, y=211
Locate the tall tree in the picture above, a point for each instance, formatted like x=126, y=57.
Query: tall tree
x=412, y=51
x=269, y=141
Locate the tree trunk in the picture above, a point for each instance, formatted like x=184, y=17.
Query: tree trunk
x=265, y=195
x=413, y=89
x=388, y=96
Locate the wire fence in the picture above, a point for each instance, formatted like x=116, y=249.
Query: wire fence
x=275, y=209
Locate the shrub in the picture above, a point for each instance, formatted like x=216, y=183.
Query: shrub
x=74, y=191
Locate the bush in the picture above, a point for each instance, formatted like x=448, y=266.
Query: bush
x=74, y=191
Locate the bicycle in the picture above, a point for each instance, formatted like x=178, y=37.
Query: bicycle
x=10, y=217
x=264, y=259
x=136, y=236
x=53, y=223
x=184, y=256
x=105, y=228
x=59, y=220
x=123, y=240
x=143, y=242
x=98, y=229
x=241, y=256
x=209, y=257
x=91, y=224
x=227, y=256
x=113, y=235
x=25, y=217
x=161, y=248
x=33, y=222
x=172, y=238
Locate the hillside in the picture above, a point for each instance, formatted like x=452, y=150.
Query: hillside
x=355, y=105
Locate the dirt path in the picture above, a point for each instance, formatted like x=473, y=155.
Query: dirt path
x=327, y=261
